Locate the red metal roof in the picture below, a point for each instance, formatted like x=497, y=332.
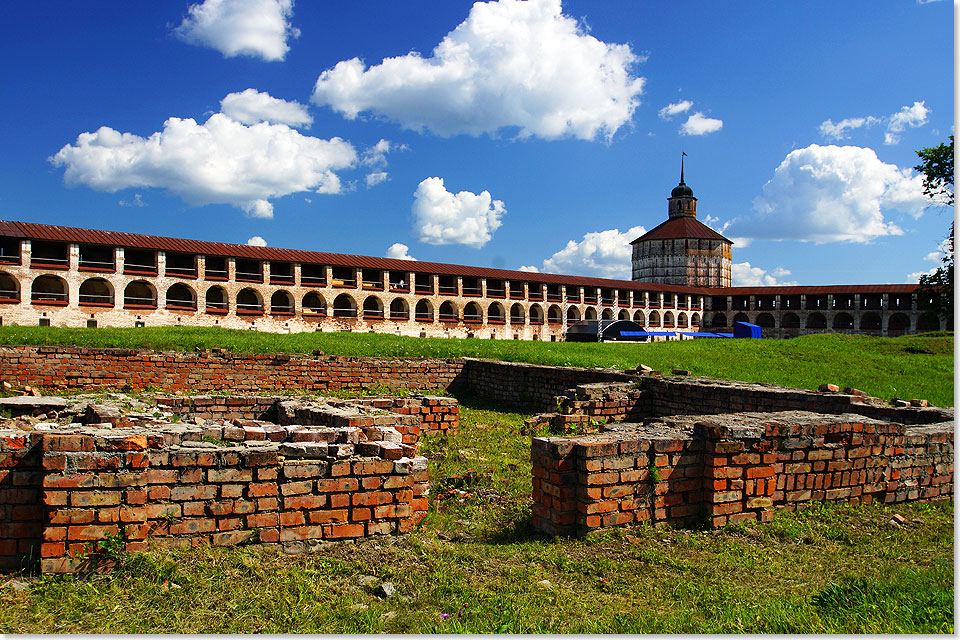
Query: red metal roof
x=679, y=228
x=121, y=239
x=38, y=231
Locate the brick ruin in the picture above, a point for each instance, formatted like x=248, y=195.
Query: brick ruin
x=755, y=449
x=282, y=469
x=316, y=470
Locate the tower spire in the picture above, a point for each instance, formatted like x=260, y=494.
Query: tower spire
x=682, y=155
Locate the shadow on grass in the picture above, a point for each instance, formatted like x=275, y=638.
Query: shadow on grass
x=472, y=400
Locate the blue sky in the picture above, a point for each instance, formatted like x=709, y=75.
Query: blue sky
x=536, y=135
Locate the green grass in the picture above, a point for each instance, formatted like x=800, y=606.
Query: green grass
x=830, y=569
x=906, y=367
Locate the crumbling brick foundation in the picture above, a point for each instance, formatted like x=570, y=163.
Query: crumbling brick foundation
x=719, y=468
x=324, y=471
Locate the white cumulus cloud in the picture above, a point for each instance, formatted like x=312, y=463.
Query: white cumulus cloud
x=745, y=275
x=831, y=194
x=909, y=116
x=375, y=178
x=220, y=161
x=509, y=64
x=599, y=254
x=252, y=106
x=258, y=28
x=838, y=131
x=441, y=217
x=376, y=156
x=399, y=251
x=529, y=268
x=912, y=116
x=700, y=125
x=674, y=108
x=257, y=241
x=136, y=202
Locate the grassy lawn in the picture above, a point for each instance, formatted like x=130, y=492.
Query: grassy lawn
x=906, y=367
x=475, y=566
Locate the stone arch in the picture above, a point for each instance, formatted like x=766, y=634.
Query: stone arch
x=472, y=313
x=249, y=301
x=623, y=315
x=741, y=317
x=767, y=321
x=281, y=303
x=314, y=304
x=606, y=314
x=871, y=322
x=790, y=321
x=517, y=316
x=344, y=306
x=843, y=322
x=638, y=318
x=49, y=289
x=681, y=319
x=181, y=296
x=9, y=288
x=140, y=294
x=928, y=322
x=215, y=299
x=496, y=314
x=399, y=309
x=816, y=321
x=654, y=319
x=372, y=307
x=96, y=291
x=668, y=319
x=573, y=315
x=719, y=320
x=554, y=315
x=449, y=312
x=695, y=320
x=898, y=323
x=423, y=312
x=590, y=313
x=536, y=314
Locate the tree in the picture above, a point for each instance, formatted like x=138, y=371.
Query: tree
x=937, y=168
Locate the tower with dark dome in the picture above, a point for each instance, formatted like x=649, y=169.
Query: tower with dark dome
x=682, y=250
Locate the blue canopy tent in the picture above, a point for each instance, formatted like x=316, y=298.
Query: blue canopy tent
x=746, y=330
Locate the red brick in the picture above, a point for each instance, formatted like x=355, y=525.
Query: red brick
x=92, y=532
x=346, y=531
x=305, y=502
x=66, y=442
x=337, y=485
x=193, y=526
x=261, y=520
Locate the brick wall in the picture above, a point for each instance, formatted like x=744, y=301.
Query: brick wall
x=327, y=469
x=529, y=386
x=717, y=469
x=60, y=367
x=654, y=396
x=21, y=513
x=409, y=415
x=316, y=483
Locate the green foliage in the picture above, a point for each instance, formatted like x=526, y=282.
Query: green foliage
x=655, y=476
x=936, y=165
x=884, y=367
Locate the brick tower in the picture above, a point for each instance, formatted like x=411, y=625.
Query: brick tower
x=682, y=250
